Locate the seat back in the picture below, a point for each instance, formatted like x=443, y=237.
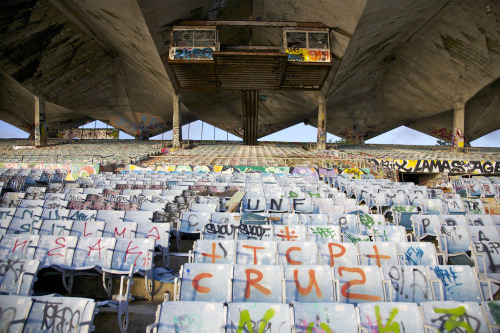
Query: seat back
x=205, y=282
x=308, y=283
x=258, y=283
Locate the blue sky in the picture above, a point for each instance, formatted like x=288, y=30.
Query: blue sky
x=400, y=135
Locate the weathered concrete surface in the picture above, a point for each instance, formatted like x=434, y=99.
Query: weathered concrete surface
x=394, y=63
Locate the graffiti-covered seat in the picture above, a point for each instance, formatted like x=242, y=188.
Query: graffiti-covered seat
x=160, y=233
x=256, y=252
x=17, y=276
x=459, y=283
x=83, y=229
x=480, y=220
x=55, y=214
x=16, y=309
x=118, y=229
x=186, y=316
x=334, y=253
x=258, y=283
x=408, y=284
x=204, y=282
x=453, y=220
x=450, y=316
x=425, y=225
x=56, y=227
x=48, y=312
x=290, y=233
x=18, y=246
x=309, y=283
x=394, y=317
x=329, y=317
x=255, y=317
x=368, y=286
x=377, y=253
x=217, y=251
x=297, y=253
x=418, y=253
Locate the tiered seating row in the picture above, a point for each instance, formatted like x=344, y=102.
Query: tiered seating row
x=438, y=316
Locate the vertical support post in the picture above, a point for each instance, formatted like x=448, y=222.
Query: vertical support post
x=177, y=123
x=321, y=139
x=40, y=122
x=459, y=124
x=250, y=105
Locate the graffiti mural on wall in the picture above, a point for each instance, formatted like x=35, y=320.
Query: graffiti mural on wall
x=89, y=133
x=315, y=173
x=308, y=55
x=183, y=53
x=75, y=171
x=443, y=133
x=434, y=166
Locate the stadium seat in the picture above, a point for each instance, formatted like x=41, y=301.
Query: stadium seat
x=328, y=317
x=17, y=276
x=358, y=284
x=390, y=317
x=290, y=233
x=213, y=251
x=204, y=282
x=297, y=253
x=255, y=252
x=256, y=317
x=177, y=316
x=407, y=284
x=449, y=316
x=258, y=283
x=418, y=253
x=459, y=283
x=377, y=253
x=309, y=283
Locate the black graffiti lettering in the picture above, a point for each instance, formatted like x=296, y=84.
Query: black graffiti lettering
x=482, y=236
x=220, y=230
x=343, y=223
x=79, y=216
x=275, y=205
x=223, y=249
x=488, y=167
x=478, y=221
x=425, y=224
x=252, y=231
x=14, y=266
x=59, y=319
x=450, y=222
x=401, y=166
x=497, y=167
x=257, y=204
x=7, y=315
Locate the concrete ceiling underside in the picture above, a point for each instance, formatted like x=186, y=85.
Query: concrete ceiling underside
x=394, y=63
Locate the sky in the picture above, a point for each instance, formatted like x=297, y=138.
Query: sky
x=401, y=135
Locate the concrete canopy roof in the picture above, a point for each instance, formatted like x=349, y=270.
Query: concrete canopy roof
x=395, y=63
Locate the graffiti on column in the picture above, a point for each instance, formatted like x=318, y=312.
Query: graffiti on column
x=175, y=137
x=458, y=137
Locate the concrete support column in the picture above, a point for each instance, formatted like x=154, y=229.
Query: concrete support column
x=250, y=105
x=459, y=124
x=177, y=123
x=321, y=139
x=40, y=122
